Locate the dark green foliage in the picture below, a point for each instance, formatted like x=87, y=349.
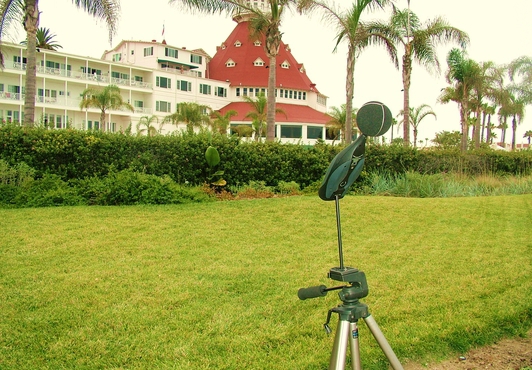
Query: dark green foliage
x=128, y=187
x=72, y=154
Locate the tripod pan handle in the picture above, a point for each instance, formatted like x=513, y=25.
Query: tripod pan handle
x=312, y=292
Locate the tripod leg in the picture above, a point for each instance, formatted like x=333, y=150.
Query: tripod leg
x=383, y=343
x=340, y=346
x=355, y=347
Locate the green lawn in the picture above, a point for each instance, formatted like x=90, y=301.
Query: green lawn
x=214, y=285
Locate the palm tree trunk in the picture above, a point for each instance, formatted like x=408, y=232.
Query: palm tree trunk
x=465, y=135
x=31, y=24
x=407, y=72
x=514, y=128
x=488, y=129
x=270, y=112
x=476, y=138
x=102, y=121
x=349, y=92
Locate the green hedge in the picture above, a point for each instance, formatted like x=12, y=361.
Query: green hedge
x=72, y=154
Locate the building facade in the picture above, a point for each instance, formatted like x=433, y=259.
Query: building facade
x=154, y=77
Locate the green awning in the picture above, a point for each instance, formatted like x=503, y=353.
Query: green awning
x=177, y=64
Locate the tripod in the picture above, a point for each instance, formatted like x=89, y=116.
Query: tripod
x=349, y=312
x=373, y=119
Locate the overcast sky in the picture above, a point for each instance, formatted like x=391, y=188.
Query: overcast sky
x=498, y=33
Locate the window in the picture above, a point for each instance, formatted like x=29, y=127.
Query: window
x=258, y=62
x=245, y=91
x=285, y=65
x=132, y=52
x=314, y=132
x=169, y=52
x=148, y=51
x=163, y=82
x=195, y=59
x=117, y=57
x=257, y=43
x=238, y=44
x=205, y=89
x=230, y=63
x=184, y=85
x=17, y=59
x=138, y=78
x=162, y=106
x=220, y=91
x=291, y=132
x=237, y=92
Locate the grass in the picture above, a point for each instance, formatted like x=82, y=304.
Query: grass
x=214, y=285
x=444, y=185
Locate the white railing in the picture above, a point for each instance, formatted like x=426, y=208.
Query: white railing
x=11, y=96
x=81, y=76
x=189, y=73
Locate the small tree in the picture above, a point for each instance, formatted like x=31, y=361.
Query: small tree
x=191, y=114
x=104, y=99
x=416, y=116
x=148, y=123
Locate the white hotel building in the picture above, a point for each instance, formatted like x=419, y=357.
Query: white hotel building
x=154, y=77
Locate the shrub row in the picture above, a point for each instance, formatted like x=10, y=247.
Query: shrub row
x=18, y=189
x=71, y=154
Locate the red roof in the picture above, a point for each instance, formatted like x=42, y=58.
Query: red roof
x=294, y=113
x=245, y=73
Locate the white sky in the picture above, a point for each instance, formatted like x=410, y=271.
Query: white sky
x=498, y=33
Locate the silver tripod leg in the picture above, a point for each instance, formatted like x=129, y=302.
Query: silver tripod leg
x=345, y=332
x=383, y=343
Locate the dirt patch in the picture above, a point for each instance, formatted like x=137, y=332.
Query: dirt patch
x=508, y=354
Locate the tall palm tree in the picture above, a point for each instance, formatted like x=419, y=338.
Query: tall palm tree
x=45, y=40
x=357, y=36
x=259, y=114
x=191, y=114
x=264, y=21
x=104, y=99
x=28, y=11
x=488, y=85
x=463, y=74
x=416, y=116
x=419, y=42
x=148, y=123
x=220, y=122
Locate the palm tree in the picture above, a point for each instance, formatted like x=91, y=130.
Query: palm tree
x=192, y=114
x=488, y=85
x=148, y=123
x=264, y=21
x=463, y=74
x=416, y=116
x=28, y=11
x=221, y=122
x=528, y=135
x=104, y=99
x=487, y=111
x=522, y=67
x=357, y=36
x=419, y=43
x=336, y=125
x=259, y=113
x=45, y=40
